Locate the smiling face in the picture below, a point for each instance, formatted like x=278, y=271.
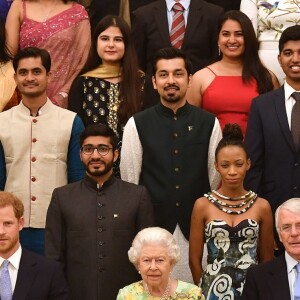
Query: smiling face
x=155, y=266
x=9, y=231
x=289, y=59
x=290, y=237
x=31, y=77
x=232, y=164
x=231, y=39
x=171, y=80
x=111, y=46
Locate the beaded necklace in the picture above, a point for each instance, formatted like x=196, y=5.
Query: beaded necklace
x=251, y=198
x=165, y=294
x=232, y=198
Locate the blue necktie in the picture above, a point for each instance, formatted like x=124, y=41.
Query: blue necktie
x=5, y=283
x=297, y=283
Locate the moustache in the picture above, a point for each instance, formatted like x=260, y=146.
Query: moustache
x=96, y=160
x=171, y=86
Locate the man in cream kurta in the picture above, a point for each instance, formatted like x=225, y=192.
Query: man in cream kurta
x=38, y=145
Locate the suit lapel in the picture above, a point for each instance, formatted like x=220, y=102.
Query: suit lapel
x=26, y=274
x=161, y=19
x=278, y=280
x=282, y=116
x=194, y=17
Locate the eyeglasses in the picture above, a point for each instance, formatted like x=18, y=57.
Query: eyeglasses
x=287, y=228
x=101, y=149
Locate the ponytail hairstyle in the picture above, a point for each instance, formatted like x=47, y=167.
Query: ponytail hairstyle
x=232, y=136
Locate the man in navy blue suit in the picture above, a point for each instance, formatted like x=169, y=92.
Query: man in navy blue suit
x=278, y=279
x=275, y=158
x=27, y=275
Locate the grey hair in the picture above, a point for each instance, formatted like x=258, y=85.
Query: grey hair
x=153, y=236
x=293, y=205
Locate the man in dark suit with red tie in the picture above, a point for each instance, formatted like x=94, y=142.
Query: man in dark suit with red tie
x=273, y=132
x=152, y=27
x=24, y=275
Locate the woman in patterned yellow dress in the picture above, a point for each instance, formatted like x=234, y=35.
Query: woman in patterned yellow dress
x=109, y=91
x=154, y=253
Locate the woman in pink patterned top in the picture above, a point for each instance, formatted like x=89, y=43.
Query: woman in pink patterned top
x=62, y=28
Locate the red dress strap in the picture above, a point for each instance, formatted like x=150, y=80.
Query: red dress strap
x=24, y=9
x=211, y=70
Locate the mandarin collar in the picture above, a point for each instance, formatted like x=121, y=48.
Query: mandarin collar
x=169, y=112
x=42, y=110
x=93, y=184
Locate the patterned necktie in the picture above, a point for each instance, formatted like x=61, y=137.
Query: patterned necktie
x=178, y=26
x=5, y=283
x=295, y=120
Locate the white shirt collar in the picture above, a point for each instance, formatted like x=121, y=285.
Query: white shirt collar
x=14, y=259
x=184, y=3
x=288, y=91
x=290, y=262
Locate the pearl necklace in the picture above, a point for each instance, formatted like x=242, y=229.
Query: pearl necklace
x=165, y=294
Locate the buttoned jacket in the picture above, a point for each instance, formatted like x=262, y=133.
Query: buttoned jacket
x=90, y=230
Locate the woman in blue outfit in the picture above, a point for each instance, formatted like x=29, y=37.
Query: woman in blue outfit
x=4, y=8
x=235, y=224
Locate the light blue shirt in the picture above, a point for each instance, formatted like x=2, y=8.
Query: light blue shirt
x=170, y=12
x=291, y=272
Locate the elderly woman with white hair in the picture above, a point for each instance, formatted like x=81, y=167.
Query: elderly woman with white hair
x=154, y=253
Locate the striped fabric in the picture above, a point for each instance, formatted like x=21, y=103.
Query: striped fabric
x=178, y=26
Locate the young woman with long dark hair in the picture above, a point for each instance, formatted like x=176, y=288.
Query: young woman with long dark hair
x=109, y=90
x=227, y=87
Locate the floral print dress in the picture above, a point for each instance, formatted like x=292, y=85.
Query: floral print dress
x=269, y=19
x=184, y=291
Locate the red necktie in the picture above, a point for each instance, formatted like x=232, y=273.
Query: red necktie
x=178, y=26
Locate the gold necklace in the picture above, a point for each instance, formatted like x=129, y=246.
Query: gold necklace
x=49, y=12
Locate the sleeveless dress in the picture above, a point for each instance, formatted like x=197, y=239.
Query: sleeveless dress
x=231, y=251
x=66, y=36
x=229, y=99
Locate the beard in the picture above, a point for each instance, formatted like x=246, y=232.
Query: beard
x=171, y=97
x=99, y=172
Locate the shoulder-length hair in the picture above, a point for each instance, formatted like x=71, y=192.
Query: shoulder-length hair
x=132, y=79
x=5, y=55
x=252, y=65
